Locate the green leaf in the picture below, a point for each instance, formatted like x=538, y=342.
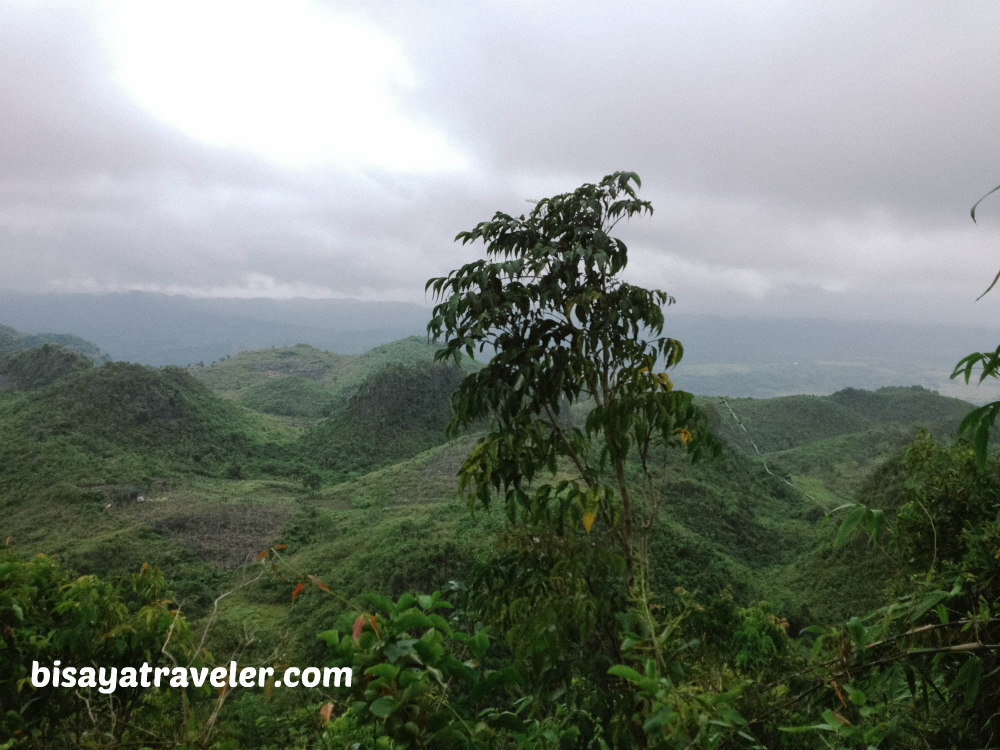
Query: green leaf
x=990, y=287
x=381, y=602
x=656, y=719
x=383, y=671
x=858, y=634
x=398, y=649
x=383, y=706
x=971, y=676
x=855, y=696
x=411, y=619
x=848, y=525
x=627, y=673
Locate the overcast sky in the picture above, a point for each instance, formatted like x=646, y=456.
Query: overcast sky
x=806, y=159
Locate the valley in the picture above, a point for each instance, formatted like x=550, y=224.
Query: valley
x=340, y=466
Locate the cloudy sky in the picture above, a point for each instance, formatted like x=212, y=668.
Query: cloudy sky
x=804, y=159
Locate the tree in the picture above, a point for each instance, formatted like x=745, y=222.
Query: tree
x=566, y=333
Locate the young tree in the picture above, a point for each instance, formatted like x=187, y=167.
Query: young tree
x=564, y=330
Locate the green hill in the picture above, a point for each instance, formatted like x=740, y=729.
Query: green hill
x=396, y=413
x=231, y=376
x=838, y=438
x=41, y=365
x=300, y=382
x=123, y=422
x=12, y=340
x=224, y=478
x=289, y=396
x=744, y=523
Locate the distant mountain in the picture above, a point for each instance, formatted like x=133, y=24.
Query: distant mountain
x=159, y=329
x=758, y=357
x=12, y=340
x=767, y=357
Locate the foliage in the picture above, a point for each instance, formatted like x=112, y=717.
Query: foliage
x=12, y=340
x=32, y=368
x=48, y=616
x=680, y=700
x=922, y=670
x=980, y=421
x=565, y=329
x=418, y=681
x=289, y=395
x=396, y=413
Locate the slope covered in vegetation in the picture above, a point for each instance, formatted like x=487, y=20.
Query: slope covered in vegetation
x=223, y=480
x=12, y=340
x=396, y=413
x=123, y=422
x=238, y=377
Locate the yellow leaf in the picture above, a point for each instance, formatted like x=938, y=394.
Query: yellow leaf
x=588, y=519
x=664, y=380
x=685, y=435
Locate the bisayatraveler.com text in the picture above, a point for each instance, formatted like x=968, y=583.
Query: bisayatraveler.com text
x=110, y=679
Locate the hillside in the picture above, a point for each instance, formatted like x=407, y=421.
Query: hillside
x=41, y=365
x=302, y=381
x=292, y=412
x=127, y=426
x=343, y=460
x=838, y=438
x=123, y=423
x=397, y=412
x=13, y=340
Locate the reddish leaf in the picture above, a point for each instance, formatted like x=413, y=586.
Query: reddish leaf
x=262, y=554
x=359, y=624
x=280, y=546
x=319, y=584
x=371, y=619
x=326, y=711
x=298, y=588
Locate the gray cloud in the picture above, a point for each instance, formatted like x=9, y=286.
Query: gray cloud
x=802, y=159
